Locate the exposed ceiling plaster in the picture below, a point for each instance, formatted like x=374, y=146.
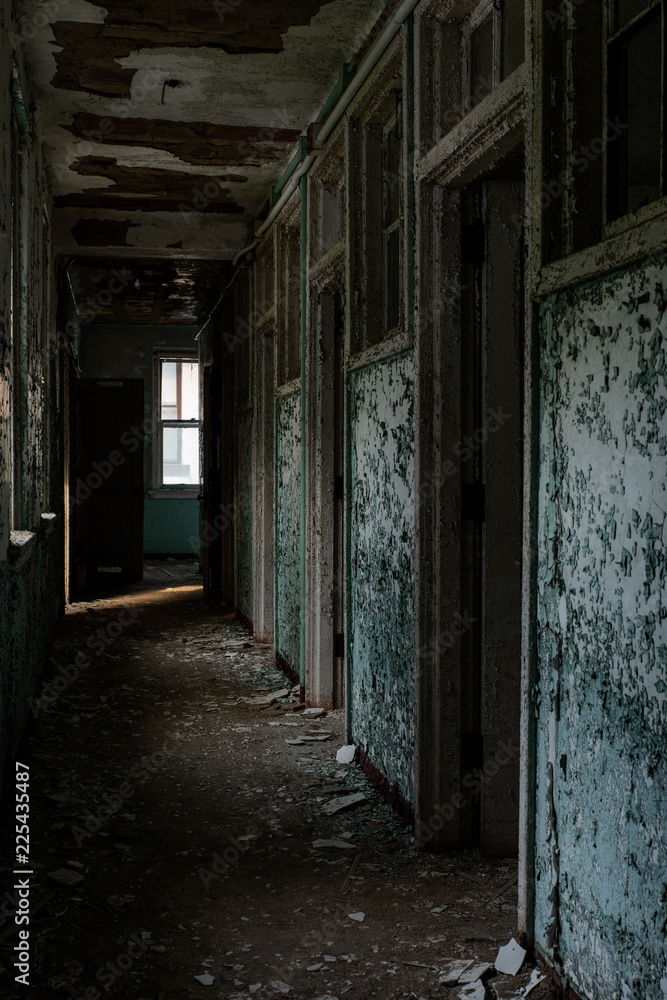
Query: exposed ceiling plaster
x=136, y=292
x=146, y=108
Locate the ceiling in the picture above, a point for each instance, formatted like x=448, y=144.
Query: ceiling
x=167, y=121
x=136, y=292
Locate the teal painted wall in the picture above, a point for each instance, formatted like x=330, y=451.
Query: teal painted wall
x=381, y=625
x=170, y=525
x=601, y=847
x=288, y=528
x=243, y=512
x=129, y=352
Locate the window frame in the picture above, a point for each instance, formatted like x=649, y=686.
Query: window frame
x=615, y=197
x=161, y=489
x=369, y=335
x=469, y=24
x=288, y=300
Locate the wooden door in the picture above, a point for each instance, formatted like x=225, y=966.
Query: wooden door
x=108, y=493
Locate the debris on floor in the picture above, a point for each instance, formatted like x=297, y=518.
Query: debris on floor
x=344, y=802
x=346, y=754
x=510, y=958
x=207, y=852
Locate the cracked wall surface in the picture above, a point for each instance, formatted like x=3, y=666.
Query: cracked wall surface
x=288, y=528
x=382, y=567
x=601, y=878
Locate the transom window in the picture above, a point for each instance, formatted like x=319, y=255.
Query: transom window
x=636, y=95
x=178, y=421
x=391, y=217
x=494, y=46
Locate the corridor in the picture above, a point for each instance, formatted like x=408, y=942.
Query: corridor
x=173, y=822
x=333, y=427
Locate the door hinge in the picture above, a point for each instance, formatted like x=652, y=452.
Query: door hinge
x=473, y=502
x=339, y=488
x=339, y=644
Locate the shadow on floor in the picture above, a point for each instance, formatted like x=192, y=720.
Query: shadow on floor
x=183, y=825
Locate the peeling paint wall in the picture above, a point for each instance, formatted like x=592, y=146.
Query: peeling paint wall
x=601, y=825
x=243, y=512
x=288, y=528
x=31, y=578
x=381, y=623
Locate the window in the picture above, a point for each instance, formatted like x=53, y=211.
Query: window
x=288, y=361
x=381, y=193
x=494, y=46
x=392, y=202
x=636, y=93
x=178, y=437
x=330, y=198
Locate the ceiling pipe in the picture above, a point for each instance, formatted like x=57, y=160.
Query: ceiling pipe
x=366, y=67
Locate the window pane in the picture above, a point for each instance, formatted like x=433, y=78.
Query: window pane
x=392, y=286
x=513, y=36
x=642, y=136
x=636, y=88
x=481, y=61
x=180, y=390
x=331, y=215
x=169, y=392
x=625, y=10
x=180, y=456
x=190, y=390
x=391, y=175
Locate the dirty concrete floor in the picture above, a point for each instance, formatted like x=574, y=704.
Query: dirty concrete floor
x=172, y=830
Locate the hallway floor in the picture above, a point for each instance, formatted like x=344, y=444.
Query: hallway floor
x=173, y=830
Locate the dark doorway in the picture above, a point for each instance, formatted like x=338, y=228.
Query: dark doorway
x=108, y=494
x=491, y=500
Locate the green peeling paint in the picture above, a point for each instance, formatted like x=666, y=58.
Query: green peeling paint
x=381, y=622
x=288, y=528
x=601, y=885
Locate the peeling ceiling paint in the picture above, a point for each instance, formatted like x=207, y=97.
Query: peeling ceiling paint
x=174, y=292
x=129, y=94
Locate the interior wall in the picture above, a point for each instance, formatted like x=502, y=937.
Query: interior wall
x=31, y=545
x=171, y=525
x=243, y=510
x=601, y=831
x=288, y=529
x=381, y=622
